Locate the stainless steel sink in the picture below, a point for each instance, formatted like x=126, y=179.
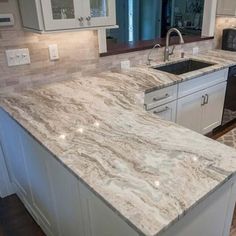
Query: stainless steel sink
x=183, y=67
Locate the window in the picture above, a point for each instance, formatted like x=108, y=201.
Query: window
x=141, y=22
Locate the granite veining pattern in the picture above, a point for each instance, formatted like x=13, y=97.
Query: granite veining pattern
x=149, y=171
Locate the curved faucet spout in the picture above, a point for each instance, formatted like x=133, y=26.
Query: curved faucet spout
x=167, y=51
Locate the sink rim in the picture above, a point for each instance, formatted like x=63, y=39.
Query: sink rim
x=169, y=63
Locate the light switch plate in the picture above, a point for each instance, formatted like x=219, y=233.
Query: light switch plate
x=195, y=51
x=17, y=57
x=25, y=57
x=11, y=58
x=53, y=52
x=125, y=65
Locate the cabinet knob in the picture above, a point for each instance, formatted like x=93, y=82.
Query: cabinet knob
x=81, y=19
x=88, y=18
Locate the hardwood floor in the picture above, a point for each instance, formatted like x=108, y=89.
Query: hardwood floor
x=233, y=229
x=15, y=220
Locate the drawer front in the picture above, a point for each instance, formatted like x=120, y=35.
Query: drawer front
x=166, y=111
x=160, y=97
x=202, y=82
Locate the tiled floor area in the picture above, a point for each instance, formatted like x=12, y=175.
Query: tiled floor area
x=229, y=138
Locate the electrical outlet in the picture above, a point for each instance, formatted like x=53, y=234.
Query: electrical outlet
x=195, y=51
x=53, y=52
x=17, y=57
x=125, y=65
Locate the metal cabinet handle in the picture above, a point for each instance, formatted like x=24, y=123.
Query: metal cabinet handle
x=88, y=18
x=207, y=99
x=203, y=100
x=161, y=111
x=159, y=99
x=81, y=19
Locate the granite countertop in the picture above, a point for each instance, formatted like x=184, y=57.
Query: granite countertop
x=149, y=171
x=152, y=79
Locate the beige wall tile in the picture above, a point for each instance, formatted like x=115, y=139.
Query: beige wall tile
x=78, y=55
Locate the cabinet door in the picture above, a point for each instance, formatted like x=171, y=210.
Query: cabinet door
x=226, y=7
x=43, y=202
x=99, y=219
x=62, y=14
x=5, y=183
x=13, y=153
x=166, y=112
x=189, y=111
x=100, y=13
x=67, y=197
x=213, y=110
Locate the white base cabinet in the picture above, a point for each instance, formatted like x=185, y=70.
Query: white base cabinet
x=62, y=205
x=196, y=104
x=6, y=187
x=59, y=202
x=202, y=111
x=212, y=217
x=166, y=111
x=189, y=112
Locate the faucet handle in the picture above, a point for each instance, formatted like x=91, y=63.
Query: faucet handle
x=172, y=50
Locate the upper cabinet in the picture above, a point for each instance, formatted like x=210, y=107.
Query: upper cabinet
x=226, y=7
x=55, y=15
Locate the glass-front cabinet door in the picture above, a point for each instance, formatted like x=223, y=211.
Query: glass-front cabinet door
x=63, y=14
x=100, y=12
x=72, y=14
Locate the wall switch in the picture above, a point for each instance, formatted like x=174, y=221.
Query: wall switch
x=53, y=52
x=17, y=57
x=24, y=56
x=125, y=65
x=195, y=51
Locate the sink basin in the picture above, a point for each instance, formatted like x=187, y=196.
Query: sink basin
x=183, y=67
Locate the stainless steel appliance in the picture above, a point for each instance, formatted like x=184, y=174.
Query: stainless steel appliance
x=230, y=98
x=229, y=44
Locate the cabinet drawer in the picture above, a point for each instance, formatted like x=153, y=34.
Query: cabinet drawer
x=166, y=111
x=202, y=82
x=160, y=97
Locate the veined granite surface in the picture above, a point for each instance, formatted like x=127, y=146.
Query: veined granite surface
x=149, y=171
x=152, y=79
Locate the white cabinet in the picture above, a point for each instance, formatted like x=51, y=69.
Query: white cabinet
x=209, y=217
x=57, y=200
x=213, y=110
x=189, y=111
x=196, y=104
x=42, y=197
x=15, y=160
x=51, y=15
x=166, y=111
x=6, y=187
x=226, y=7
x=99, y=219
x=162, y=102
x=160, y=97
x=202, y=111
x=67, y=197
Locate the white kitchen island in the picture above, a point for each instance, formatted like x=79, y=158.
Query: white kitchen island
x=86, y=159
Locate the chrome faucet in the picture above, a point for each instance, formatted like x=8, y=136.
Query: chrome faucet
x=167, y=51
x=150, y=52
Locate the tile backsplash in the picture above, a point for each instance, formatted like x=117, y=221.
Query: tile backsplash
x=78, y=54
